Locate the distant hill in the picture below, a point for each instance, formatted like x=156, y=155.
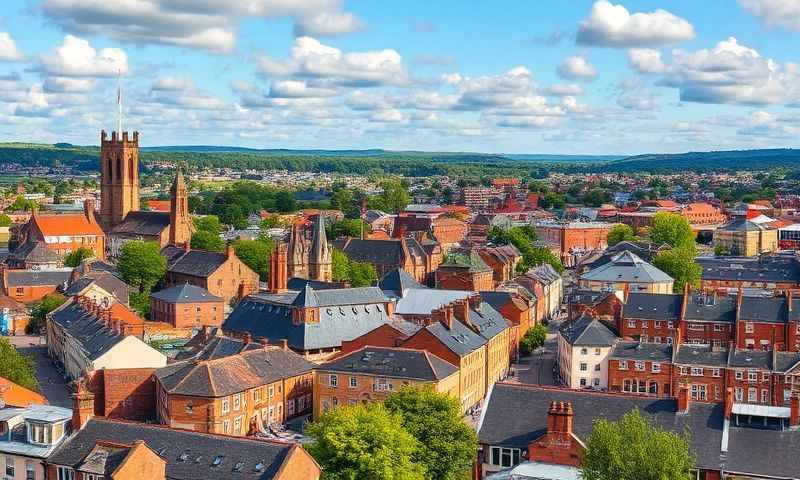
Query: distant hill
x=707, y=161
x=549, y=158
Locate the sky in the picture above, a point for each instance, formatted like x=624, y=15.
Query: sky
x=544, y=76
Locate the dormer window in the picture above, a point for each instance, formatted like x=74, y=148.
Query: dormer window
x=41, y=433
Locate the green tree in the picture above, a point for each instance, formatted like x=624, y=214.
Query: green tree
x=255, y=254
x=392, y=199
x=721, y=251
x=5, y=220
x=633, y=448
x=447, y=444
x=671, y=229
x=140, y=301
x=141, y=265
x=348, y=227
x=207, y=240
x=208, y=223
x=356, y=274
x=75, y=257
x=40, y=310
x=364, y=442
x=541, y=255
x=285, y=201
x=533, y=339
x=15, y=367
x=22, y=205
x=679, y=264
x=620, y=233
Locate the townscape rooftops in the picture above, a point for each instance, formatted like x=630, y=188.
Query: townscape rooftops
x=197, y=263
x=705, y=355
x=185, y=293
x=772, y=268
x=398, y=281
x=16, y=441
x=710, y=308
x=392, y=362
x=34, y=252
x=655, y=352
x=422, y=301
x=140, y=222
x=28, y=278
x=89, y=330
x=66, y=225
x=105, y=280
x=652, y=306
x=626, y=266
x=587, y=331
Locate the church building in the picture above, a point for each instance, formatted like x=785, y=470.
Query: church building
x=312, y=261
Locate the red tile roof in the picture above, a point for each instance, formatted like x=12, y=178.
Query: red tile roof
x=14, y=395
x=66, y=225
x=158, y=205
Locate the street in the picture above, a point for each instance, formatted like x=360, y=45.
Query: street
x=51, y=383
x=537, y=368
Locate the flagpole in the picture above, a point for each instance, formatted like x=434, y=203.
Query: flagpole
x=119, y=103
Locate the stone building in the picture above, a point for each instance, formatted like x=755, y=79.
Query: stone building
x=311, y=260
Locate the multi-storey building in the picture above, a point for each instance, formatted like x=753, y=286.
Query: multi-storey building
x=28, y=436
x=770, y=274
x=583, y=349
x=187, y=306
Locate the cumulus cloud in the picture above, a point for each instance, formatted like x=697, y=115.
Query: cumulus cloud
x=731, y=73
x=636, y=102
x=311, y=59
x=206, y=25
x=645, y=60
x=610, y=25
x=8, y=49
x=172, y=83
x=77, y=58
x=783, y=13
x=298, y=89
x=564, y=89
x=68, y=85
x=576, y=67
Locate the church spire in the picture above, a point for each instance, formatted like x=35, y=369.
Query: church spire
x=319, y=261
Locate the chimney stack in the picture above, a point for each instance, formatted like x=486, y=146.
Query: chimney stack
x=264, y=341
x=683, y=399
x=461, y=310
x=559, y=418
x=279, y=269
x=284, y=344
x=794, y=410
x=728, y=402
x=475, y=301
x=82, y=405
x=229, y=252
x=187, y=246
x=247, y=339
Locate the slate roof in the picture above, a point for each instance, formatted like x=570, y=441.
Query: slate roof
x=741, y=225
x=218, y=346
x=708, y=308
x=198, y=263
x=751, y=359
x=27, y=278
x=90, y=331
x=421, y=301
x=297, y=283
x=185, y=293
x=767, y=268
x=771, y=309
x=17, y=441
x=586, y=331
x=105, y=280
x=104, y=459
x=189, y=455
x=398, y=281
x=705, y=355
x=232, y=374
x=626, y=267
x=142, y=223
x=344, y=315
x=461, y=340
x=499, y=299
x=515, y=415
x=641, y=250
x=545, y=273
x=654, y=352
x=652, y=306
x=784, y=361
x=34, y=252
x=392, y=362
x=386, y=252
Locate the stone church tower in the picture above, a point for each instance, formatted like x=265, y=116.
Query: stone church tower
x=297, y=253
x=180, y=224
x=320, y=263
x=119, y=177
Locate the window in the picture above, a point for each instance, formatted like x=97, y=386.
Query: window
x=698, y=392
x=644, y=324
x=597, y=351
x=764, y=396
x=257, y=395
x=226, y=405
x=653, y=388
x=583, y=382
x=739, y=394
x=30, y=470
x=65, y=473
x=271, y=392
x=623, y=365
x=639, y=366
x=670, y=325
x=237, y=402
x=189, y=408
x=631, y=323
x=751, y=395
x=584, y=367
x=226, y=426
x=504, y=457
x=20, y=290
x=655, y=367
x=697, y=371
x=584, y=351
x=627, y=386
x=657, y=339
x=717, y=327
x=237, y=425
x=739, y=375
x=290, y=407
x=596, y=382
x=715, y=372
x=656, y=324
x=39, y=433
x=353, y=382
x=10, y=467
x=748, y=327
x=597, y=367
x=333, y=381
x=752, y=376
x=92, y=476
x=765, y=376
x=683, y=370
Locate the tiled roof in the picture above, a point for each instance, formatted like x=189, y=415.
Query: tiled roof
x=751, y=359
x=389, y=252
x=710, y=308
x=14, y=395
x=654, y=352
x=197, y=263
x=185, y=293
x=392, y=362
x=66, y=225
x=421, y=301
x=105, y=280
x=771, y=309
x=586, y=331
x=461, y=340
x=768, y=268
x=232, y=374
x=27, y=278
x=189, y=455
x=705, y=355
x=90, y=331
x=642, y=250
x=626, y=267
x=398, y=281
x=142, y=223
x=471, y=261
x=487, y=321
x=652, y=306
x=34, y=252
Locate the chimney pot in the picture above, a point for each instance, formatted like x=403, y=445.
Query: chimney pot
x=82, y=405
x=284, y=344
x=264, y=341
x=247, y=338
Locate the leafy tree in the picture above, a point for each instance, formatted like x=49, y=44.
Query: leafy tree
x=672, y=229
x=540, y=255
x=620, y=233
x=40, y=310
x=255, y=254
x=364, y=441
x=356, y=274
x=15, y=367
x=285, y=201
x=552, y=200
x=679, y=264
x=392, y=199
x=234, y=216
x=340, y=266
x=533, y=339
x=447, y=444
x=5, y=220
x=595, y=197
x=208, y=223
x=207, y=240
x=141, y=264
x=75, y=257
x=721, y=251
x=141, y=303
x=22, y=205
x=523, y=238
x=348, y=227
x=634, y=448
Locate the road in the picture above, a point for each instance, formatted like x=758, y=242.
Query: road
x=537, y=369
x=51, y=383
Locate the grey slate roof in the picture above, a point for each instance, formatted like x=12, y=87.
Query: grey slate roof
x=626, y=267
x=421, y=301
x=297, y=283
x=189, y=455
x=217, y=346
x=105, y=280
x=708, y=308
x=771, y=309
x=757, y=359
x=767, y=268
x=142, y=223
x=344, y=315
x=652, y=306
x=380, y=252
x=25, y=278
x=392, y=362
x=17, y=442
x=90, y=331
x=197, y=263
x=545, y=273
x=461, y=340
x=398, y=281
x=34, y=252
x=185, y=293
x=514, y=415
x=232, y=374
x=641, y=250
x=487, y=321
x=654, y=352
x=586, y=331
x=705, y=355
x=784, y=361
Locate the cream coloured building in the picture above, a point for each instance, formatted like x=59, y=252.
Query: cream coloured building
x=742, y=237
x=583, y=349
x=627, y=272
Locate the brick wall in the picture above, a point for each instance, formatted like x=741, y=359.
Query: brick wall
x=623, y=375
x=129, y=394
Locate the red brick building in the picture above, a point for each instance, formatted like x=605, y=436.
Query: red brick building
x=187, y=306
x=464, y=271
x=574, y=237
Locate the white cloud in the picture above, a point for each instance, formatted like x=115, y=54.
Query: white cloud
x=297, y=89
x=200, y=24
x=563, y=89
x=576, y=67
x=783, y=13
x=8, y=49
x=69, y=85
x=172, y=83
x=645, y=60
x=731, y=73
x=389, y=116
x=311, y=59
x=77, y=58
x=610, y=25
x=636, y=102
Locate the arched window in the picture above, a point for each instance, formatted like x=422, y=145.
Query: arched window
x=653, y=387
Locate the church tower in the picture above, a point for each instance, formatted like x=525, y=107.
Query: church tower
x=119, y=177
x=298, y=253
x=320, y=263
x=180, y=225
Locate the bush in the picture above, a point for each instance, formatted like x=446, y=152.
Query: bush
x=533, y=339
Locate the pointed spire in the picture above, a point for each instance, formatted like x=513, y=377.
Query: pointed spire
x=178, y=184
x=319, y=243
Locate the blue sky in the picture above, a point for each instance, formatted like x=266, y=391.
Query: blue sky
x=578, y=76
